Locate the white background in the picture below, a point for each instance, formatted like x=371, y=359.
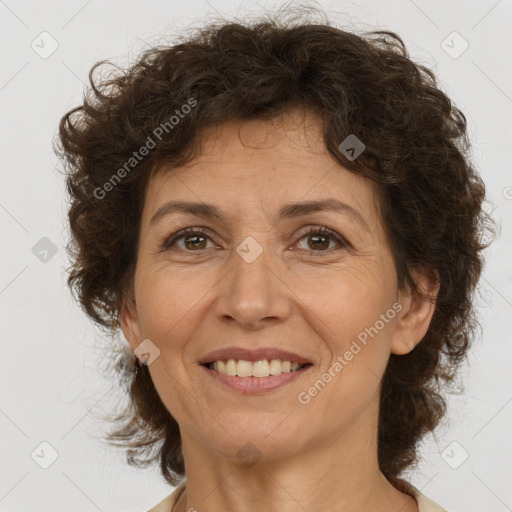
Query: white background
x=50, y=388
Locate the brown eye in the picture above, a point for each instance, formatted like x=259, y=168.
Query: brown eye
x=320, y=238
x=194, y=240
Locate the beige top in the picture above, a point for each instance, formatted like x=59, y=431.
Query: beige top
x=167, y=504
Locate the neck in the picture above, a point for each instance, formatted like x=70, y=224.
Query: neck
x=337, y=472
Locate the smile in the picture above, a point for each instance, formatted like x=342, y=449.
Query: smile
x=256, y=377
x=262, y=368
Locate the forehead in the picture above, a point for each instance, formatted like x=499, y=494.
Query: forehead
x=243, y=166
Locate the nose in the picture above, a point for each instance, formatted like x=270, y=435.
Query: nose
x=253, y=292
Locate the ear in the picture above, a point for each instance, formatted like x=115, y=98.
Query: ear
x=129, y=321
x=416, y=313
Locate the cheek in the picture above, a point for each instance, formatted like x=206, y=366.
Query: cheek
x=166, y=299
x=355, y=321
x=168, y=307
x=351, y=300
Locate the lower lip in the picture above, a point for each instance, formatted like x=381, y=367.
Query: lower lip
x=255, y=385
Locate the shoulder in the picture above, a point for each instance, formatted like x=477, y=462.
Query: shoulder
x=425, y=504
x=167, y=504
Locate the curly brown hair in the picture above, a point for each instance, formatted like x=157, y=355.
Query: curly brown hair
x=416, y=151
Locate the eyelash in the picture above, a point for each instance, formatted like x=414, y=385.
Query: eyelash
x=169, y=242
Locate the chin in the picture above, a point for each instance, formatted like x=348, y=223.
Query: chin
x=265, y=443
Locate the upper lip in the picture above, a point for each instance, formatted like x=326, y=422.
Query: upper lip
x=252, y=355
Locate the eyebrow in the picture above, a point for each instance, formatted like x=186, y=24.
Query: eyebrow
x=288, y=211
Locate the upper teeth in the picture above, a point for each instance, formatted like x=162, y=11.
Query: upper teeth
x=262, y=368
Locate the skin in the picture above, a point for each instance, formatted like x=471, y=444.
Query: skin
x=193, y=298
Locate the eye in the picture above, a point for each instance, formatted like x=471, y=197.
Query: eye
x=192, y=237
x=195, y=239
x=320, y=242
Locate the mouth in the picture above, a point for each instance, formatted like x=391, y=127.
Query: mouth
x=260, y=362
x=259, y=369
x=253, y=377
x=253, y=371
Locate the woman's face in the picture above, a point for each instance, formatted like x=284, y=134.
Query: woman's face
x=257, y=280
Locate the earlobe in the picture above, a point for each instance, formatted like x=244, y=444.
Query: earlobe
x=416, y=314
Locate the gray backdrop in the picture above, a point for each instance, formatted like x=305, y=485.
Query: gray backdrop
x=50, y=457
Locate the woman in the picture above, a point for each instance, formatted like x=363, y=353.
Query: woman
x=283, y=220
